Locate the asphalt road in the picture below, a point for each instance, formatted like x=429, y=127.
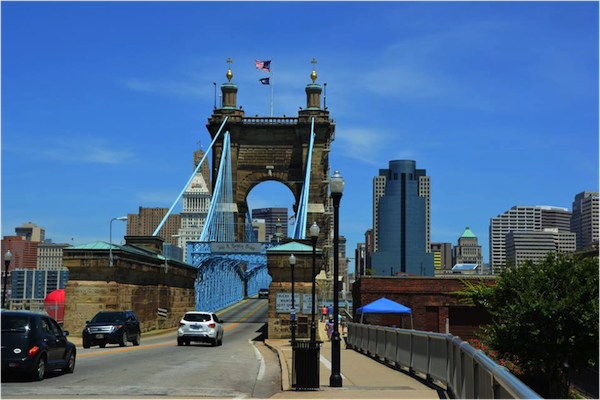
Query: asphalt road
x=242, y=367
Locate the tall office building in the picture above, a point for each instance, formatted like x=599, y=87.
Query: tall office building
x=535, y=246
x=556, y=217
x=24, y=252
x=584, y=222
x=360, y=258
x=369, y=247
x=425, y=191
x=50, y=256
x=442, y=255
x=518, y=218
x=468, y=250
x=523, y=219
x=32, y=232
x=196, y=202
x=378, y=192
x=36, y=284
x=148, y=219
x=204, y=169
x=402, y=222
x=259, y=227
x=271, y=215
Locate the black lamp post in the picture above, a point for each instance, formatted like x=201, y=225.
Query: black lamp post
x=314, y=235
x=293, y=313
x=336, y=185
x=7, y=258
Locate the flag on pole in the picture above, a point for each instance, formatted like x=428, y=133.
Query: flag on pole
x=264, y=81
x=292, y=219
x=263, y=65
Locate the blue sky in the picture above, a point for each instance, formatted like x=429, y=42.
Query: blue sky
x=103, y=103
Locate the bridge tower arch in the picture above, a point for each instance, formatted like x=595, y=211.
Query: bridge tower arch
x=276, y=148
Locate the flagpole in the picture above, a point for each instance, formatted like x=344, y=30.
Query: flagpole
x=271, y=73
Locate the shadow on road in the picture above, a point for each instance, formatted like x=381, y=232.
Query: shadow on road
x=24, y=377
x=263, y=330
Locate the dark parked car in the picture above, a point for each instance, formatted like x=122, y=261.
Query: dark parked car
x=112, y=327
x=263, y=294
x=33, y=344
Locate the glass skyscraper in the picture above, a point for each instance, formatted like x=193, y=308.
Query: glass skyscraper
x=403, y=222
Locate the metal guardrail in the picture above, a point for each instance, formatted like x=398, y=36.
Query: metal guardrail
x=467, y=373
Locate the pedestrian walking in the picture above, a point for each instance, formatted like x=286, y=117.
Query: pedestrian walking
x=344, y=326
x=324, y=315
x=329, y=328
x=330, y=311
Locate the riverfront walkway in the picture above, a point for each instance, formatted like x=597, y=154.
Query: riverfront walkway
x=363, y=377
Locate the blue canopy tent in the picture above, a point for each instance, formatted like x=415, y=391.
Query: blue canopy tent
x=384, y=306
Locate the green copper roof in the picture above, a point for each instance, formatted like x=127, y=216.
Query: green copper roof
x=93, y=246
x=127, y=249
x=292, y=247
x=468, y=234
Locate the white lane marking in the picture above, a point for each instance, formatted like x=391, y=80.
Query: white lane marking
x=327, y=365
x=259, y=357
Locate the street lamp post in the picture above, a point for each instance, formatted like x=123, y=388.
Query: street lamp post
x=314, y=235
x=336, y=186
x=7, y=258
x=293, y=313
x=110, y=256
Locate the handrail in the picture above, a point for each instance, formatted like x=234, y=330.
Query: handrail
x=466, y=372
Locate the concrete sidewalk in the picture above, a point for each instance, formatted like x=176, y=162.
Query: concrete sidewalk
x=363, y=377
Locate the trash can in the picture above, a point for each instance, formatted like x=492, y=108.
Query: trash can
x=305, y=364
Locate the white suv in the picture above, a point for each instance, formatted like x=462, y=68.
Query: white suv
x=198, y=326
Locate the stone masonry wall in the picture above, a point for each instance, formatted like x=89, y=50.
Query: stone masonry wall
x=132, y=284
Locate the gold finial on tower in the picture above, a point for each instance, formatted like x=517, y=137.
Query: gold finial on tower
x=313, y=75
x=229, y=73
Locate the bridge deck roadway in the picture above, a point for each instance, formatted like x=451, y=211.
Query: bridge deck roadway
x=243, y=367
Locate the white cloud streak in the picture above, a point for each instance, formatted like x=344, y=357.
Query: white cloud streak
x=89, y=152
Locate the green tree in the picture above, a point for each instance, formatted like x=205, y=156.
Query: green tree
x=546, y=316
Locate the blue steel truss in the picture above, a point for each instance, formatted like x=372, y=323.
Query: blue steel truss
x=251, y=236
x=302, y=213
x=226, y=278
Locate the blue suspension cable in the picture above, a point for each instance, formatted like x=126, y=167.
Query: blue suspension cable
x=300, y=230
x=190, y=180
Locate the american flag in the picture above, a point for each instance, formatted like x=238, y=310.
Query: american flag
x=292, y=220
x=264, y=65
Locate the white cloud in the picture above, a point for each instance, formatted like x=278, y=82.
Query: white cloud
x=93, y=151
x=162, y=198
x=370, y=146
x=192, y=87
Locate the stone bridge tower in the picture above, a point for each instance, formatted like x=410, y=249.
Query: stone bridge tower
x=276, y=149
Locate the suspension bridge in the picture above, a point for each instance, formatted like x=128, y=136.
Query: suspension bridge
x=247, y=151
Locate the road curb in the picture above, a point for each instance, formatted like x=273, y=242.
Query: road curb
x=285, y=383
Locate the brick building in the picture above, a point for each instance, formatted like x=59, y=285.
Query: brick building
x=433, y=307
x=147, y=220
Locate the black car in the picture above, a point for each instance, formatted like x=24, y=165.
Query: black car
x=117, y=327
x=33, y=344
x=263, y=294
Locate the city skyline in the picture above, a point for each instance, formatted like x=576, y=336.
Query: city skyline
x=487, y=96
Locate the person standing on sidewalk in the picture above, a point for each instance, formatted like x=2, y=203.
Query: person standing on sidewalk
x=324, y=314
x=330, y=311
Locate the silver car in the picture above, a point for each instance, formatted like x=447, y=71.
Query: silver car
x=198, y=326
